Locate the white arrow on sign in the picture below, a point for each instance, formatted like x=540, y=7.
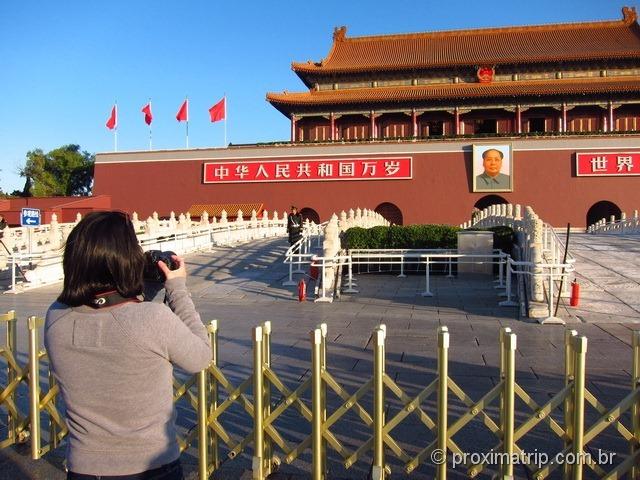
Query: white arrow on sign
x=30, y=221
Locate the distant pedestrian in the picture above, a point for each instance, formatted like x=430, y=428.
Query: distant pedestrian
x=294, y=225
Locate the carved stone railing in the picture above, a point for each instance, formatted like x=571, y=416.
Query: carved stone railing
x=538, y=244
x=621, y=226
x=42, y=248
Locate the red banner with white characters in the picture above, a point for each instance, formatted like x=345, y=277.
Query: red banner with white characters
x=387, y=168
x=607, y=164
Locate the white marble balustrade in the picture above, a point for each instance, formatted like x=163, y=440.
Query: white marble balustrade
x=42, y=248
x=622, y=226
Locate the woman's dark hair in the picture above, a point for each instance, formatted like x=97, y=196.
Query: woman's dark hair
x=101, y=254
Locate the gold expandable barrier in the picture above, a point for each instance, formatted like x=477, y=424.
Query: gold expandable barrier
x=17, y=421
x=379, y=403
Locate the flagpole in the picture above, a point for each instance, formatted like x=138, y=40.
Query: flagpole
x=115, y=131
x=150, y=135
x=225, y=120
x=187, y=100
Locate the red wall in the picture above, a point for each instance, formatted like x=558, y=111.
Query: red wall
x=440, y=191
x=66, y=208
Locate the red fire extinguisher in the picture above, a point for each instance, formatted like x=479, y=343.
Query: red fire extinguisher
x=575, y=294
x=302, y=290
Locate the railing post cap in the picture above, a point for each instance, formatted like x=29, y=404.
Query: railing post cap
x=379, y=333
x=213, y=325
x=316, y=336
x=511, y=341
x=266, y=327
x=323, y=329
x=568, y=334
x=443, y=339
x=257, y=334
x=34, y=322
x=383, y=327
x=635, y=338
x=580, y=344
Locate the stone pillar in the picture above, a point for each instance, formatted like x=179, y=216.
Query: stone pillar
x=204, y=218
x=343, y=224
x=330, y=248
x=188, y=215
x=134, y=220
x=254, y=219
x=223, y=217
x=265, y=219
x=172, y=220
x=55, y=239
x=150, y=226
x=518, y=212
x=183, y=225
x=239, y=218
x=538, y=273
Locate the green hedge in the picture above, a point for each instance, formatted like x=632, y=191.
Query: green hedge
x=419, y=236
x=395, y=236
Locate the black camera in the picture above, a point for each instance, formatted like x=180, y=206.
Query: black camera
x=152, y=272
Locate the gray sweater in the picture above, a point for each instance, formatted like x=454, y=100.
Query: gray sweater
x=115, y=370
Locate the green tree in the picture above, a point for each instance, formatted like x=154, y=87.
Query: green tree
x=64, y=171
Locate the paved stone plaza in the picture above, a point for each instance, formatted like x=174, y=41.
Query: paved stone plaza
x=242, y=287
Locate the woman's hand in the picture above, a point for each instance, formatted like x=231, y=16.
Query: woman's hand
x=180, y=272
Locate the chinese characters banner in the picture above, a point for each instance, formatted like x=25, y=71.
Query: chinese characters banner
x=308, y=170
x=604, y=164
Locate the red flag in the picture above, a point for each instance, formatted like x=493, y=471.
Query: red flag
x=183, y=113
x=219, y=110
x=113, y=118
x=148, y=116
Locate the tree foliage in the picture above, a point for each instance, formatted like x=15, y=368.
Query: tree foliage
x=63, y=171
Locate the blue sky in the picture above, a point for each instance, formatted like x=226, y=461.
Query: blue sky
x=62, y=64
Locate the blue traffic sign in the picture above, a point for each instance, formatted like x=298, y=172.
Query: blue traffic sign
x=30, y=217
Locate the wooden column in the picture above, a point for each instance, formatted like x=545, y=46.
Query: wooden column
x=414, y=123
x=293, y=128
x=456, y=121
x=332, y=125
x=372, y=133
x=612, y=125
x=564, y=117
x=518, y=119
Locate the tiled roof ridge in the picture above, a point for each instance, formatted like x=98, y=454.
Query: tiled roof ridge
x=340, y=33
x=629, y=17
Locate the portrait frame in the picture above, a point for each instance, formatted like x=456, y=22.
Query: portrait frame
x=502, y=185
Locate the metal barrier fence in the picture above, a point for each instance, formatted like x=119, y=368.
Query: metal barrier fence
x=390, y=405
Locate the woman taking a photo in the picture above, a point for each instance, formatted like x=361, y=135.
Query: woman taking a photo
x=113, y=355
